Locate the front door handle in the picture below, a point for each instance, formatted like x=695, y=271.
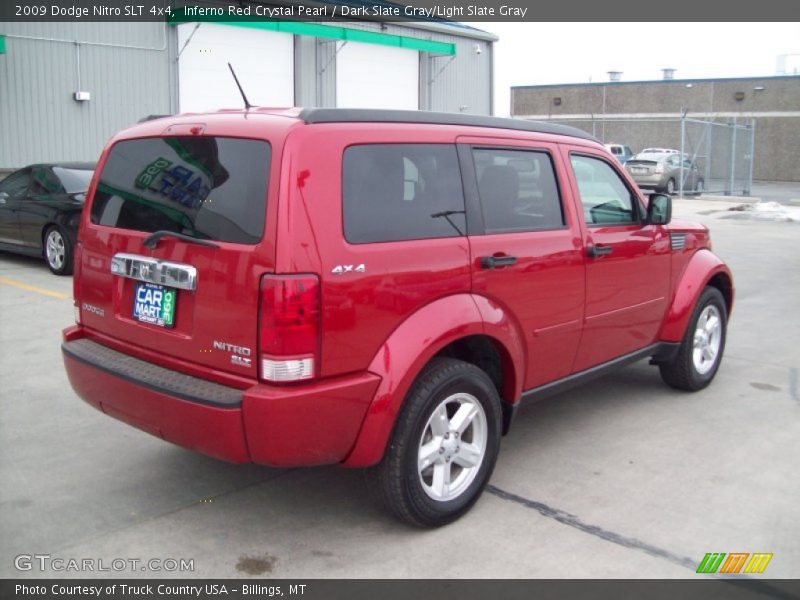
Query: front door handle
x=492, y=262
x=596, y=251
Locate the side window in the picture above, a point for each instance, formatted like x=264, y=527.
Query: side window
x=16, y=184
x=394, y=192
x=674, y=161
x=518, y=190
x=45, y=182
x=605, y=197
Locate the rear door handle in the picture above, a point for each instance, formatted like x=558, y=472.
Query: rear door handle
x=492, y=262
x=596, y=251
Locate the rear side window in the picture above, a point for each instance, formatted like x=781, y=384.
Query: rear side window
x=518, y=190
x=394, y=192
x=205, y=187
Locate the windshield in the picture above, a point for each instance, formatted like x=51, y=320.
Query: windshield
x=75, y=181
x=203, y=187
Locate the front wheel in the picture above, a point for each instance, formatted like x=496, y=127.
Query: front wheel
x=700, y=352
x=444, y=446
x=58, y=251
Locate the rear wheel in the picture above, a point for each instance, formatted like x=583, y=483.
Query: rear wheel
x=701, y=350
x=670, y=187
x=57, y=251
x=444, y=446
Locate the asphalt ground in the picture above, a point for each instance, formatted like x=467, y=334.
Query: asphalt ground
x=622, y=478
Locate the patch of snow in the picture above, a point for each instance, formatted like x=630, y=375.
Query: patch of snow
x=765, y=211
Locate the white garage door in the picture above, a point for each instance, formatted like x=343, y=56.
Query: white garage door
x=371, y=76
x=263, y=61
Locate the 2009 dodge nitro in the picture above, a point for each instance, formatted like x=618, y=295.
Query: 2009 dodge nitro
x=375, y=288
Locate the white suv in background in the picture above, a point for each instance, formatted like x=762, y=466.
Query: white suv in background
x=621, y=152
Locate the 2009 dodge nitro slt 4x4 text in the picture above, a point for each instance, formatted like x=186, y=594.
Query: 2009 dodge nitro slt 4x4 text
x=375, y=288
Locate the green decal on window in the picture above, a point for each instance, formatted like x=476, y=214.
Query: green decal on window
x=146, y=177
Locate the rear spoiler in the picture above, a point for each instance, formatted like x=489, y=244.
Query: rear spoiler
x=152, y=118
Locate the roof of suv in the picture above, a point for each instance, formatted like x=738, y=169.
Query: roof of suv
x=312, y=116
x=368, y=115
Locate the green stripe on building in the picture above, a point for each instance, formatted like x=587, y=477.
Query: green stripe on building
x=2, y=44
x=324, y=31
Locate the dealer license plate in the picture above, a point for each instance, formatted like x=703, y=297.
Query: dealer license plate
x=638, y=170
x=154, y=304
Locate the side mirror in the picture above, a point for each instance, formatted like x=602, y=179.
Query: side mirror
x=659, y=209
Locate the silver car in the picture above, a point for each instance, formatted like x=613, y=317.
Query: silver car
x=661, y=171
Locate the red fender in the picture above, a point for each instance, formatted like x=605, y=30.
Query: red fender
x=403, y=356
x=702, y=267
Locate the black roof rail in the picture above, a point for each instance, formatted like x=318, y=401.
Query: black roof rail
x=369, y=115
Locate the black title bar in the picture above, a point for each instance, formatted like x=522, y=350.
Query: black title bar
x=384, y=10
x=699, y=588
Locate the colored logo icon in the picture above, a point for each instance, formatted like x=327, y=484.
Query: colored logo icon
x=735, y=563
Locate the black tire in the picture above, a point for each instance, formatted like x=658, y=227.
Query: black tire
x=682, y=373
x=397, y=479
x=60, y=260
x=669, y=189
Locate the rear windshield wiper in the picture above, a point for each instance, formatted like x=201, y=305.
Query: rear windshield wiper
x=446, y=214
x=151, y=241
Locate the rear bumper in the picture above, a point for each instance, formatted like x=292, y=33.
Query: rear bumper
x=303, y=425
x=652, y=182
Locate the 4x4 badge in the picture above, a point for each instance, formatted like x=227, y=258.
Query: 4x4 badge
x=342, y=269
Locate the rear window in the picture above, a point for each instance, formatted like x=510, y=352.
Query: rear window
x=394, y=192
x=74, y=181
x=204, y=187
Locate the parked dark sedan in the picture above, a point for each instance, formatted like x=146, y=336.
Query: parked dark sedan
x=40, y=208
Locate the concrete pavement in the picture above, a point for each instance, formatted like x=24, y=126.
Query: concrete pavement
x=622, y=478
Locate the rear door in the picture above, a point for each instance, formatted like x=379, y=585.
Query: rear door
x=390, y=222
x=191, y=291
x=12, y=194
x=526, y=250
x=35, y=212
x=628, y=261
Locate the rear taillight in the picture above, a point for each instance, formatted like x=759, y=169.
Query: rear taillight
x=289, y=327
x=659, y=168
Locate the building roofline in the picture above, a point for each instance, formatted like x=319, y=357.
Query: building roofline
x=451, y=28
x=656, y=81
x=436, y=24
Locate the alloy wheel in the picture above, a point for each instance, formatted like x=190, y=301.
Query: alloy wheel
x=55, y=249
x=707, y=339
x=452, y=447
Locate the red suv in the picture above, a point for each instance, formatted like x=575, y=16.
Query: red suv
x=375, y=288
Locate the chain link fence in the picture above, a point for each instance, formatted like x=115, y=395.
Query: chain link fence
x=722, y=149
